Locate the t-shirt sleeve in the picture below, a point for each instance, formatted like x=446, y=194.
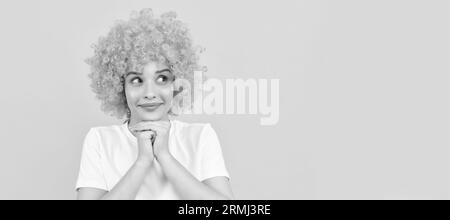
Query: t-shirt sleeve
x=91, y=173
x=212, y=163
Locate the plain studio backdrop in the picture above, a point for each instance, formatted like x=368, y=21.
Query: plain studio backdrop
x=364, y=94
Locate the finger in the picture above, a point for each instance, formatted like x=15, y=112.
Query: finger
x=160, y=126
x=146, y=134
x=142, y=130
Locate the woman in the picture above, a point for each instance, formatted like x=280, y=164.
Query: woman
x=134, y=73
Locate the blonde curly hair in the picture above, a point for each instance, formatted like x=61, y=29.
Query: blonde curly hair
x=131, y=44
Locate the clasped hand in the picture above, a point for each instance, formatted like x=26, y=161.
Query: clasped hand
x=152, y=138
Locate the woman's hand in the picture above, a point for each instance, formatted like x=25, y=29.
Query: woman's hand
x=161, y=141
x=145, y=138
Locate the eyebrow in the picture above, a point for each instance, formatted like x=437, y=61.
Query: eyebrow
x=138, y=73
x=163, y=70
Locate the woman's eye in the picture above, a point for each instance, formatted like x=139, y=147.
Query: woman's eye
x=135, y=80
x=162, y=79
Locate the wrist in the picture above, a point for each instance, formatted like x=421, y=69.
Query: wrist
x=143, y=162
x=162, y=155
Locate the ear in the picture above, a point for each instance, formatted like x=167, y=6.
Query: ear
x=178, y=87
x=177, y=91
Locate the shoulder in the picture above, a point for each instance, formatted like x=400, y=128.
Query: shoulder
x=100, y=134
x=196, y=133
x=190, y=129
x=105, y=139
x=189, y=126
x=105, y=130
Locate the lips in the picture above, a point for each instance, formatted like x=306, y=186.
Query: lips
x=150, y=105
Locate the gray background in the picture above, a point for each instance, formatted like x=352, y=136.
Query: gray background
x=364, y=95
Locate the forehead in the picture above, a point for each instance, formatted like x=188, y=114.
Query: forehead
x=151, y=68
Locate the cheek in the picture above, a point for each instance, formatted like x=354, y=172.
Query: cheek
x=132, y=95
x=167, y=94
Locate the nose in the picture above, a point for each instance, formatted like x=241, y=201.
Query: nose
x=149, y=91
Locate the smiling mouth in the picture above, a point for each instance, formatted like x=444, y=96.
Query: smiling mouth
x=150, y=106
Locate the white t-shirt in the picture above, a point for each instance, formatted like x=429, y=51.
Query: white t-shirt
x=109, y=152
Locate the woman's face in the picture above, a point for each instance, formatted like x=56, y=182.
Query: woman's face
x=149, y=94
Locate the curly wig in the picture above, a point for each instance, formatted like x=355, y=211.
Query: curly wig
x=131, y=44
